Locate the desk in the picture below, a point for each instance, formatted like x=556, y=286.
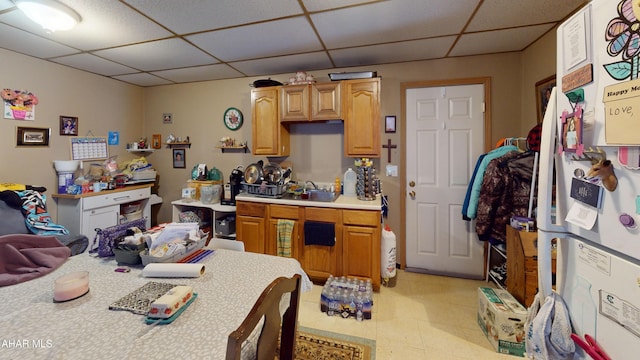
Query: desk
x=85, y=328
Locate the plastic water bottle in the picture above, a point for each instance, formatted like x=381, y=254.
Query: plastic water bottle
x=359, y=306
x=350, y=179
x=333, y=302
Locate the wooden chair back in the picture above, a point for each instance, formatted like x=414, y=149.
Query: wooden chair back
x=268, y=307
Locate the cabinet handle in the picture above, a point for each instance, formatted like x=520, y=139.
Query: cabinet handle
x=121, y=198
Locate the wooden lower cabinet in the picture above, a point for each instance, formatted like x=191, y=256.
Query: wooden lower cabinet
x=361, y=245
x=321, y=261
x=356, y=252
x=285, y=212
x=250, y=225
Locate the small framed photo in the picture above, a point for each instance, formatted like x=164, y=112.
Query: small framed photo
x=69, y=125
x=179, y=158
x=32, y=136
x=572, y=127
x=543, y=95
x=156, y=141
x=167, y=118
x=390, y=124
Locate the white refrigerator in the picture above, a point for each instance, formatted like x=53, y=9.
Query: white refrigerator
x=598, y=256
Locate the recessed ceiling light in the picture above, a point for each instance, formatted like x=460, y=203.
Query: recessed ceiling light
x=50, y=14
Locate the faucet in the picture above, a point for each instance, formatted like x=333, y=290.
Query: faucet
x=310, y=182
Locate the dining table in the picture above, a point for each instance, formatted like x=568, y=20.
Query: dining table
x=34, y=326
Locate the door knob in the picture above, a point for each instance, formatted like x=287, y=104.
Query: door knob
x=412, y=194
x=412, y=183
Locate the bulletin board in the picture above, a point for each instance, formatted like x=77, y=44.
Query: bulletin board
x=89, y=148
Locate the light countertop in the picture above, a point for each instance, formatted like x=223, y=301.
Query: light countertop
x=342, y=202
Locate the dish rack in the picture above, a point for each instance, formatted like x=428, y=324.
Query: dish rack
x=264, y=190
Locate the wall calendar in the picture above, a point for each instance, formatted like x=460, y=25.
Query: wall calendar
x=89, y=148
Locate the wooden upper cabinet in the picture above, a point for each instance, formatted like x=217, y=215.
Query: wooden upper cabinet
x=270, y=137
x=326, y=103
x=361, y=101
x=311, y=102
x=295, y=102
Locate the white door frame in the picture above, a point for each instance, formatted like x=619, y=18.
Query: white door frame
x=401, y=246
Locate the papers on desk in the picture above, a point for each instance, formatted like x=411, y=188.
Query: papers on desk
x=171, y=240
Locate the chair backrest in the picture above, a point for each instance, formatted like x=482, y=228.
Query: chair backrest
x=267, y=307
x=236, y=245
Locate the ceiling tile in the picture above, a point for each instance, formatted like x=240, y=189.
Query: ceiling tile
x=121, y=26
x=387, y=22
x=158, y=55
x=284, y=64
x=199, y=73
x=94, y=64
x=6, y=4
x=392, y=53
x=29, y=44
x=187, y=16
x=142, y=79
x=498, y=41
x=491, y=14
x=293, y=35
x=315, y=5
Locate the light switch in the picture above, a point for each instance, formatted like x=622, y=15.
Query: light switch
x=392, y=170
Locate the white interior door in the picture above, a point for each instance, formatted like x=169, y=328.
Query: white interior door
x=445, y=132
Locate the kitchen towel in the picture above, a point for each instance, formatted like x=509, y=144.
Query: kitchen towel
x=318, y=233
x=284, y=231
x=173, y=270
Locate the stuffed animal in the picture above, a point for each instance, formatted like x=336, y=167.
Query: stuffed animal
x=604, y=170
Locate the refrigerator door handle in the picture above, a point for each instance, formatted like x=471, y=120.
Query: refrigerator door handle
x=547, y=161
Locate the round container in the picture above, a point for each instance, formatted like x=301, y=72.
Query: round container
x=71, y=286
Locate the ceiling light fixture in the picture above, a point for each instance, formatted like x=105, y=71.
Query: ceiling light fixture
x=50, y=14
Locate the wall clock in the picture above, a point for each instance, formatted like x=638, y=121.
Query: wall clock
x=233, y=118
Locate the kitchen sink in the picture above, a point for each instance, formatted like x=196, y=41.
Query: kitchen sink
x=320, y=195
x=315, y=195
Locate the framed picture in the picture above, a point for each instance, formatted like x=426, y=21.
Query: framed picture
x=69, y=125
x=167, y=118
x=390, y=124
x=32, y=136
x=156, y=141
x=572, y=126
x=543, y=95
x=178, y=158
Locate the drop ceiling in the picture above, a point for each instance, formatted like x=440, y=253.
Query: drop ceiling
x=159, y=42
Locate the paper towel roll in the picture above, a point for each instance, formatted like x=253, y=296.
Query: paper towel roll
x=173, y=270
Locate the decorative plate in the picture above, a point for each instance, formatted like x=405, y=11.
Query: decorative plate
x=233, y=118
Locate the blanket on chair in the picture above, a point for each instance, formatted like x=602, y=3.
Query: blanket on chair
x=38, y=219
x=25, y=256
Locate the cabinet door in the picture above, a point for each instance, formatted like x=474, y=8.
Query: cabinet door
x=250, y=230
x=295, y=102
x=362, y=117
x=326, y=101
x=100, y=218
x=358, y=251
x=269, y=136
x=321, y=261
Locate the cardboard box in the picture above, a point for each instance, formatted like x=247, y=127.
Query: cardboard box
x=501, y=317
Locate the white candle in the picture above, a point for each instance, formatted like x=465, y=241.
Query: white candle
x=71, y=286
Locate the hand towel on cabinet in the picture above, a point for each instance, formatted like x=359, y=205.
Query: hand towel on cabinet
x=284, y=231
x=319, y=233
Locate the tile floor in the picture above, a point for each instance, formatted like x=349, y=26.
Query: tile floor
x=421, y=317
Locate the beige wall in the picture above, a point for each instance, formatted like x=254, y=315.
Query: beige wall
x=101, y=105
x=316, y=149
x=538, y=62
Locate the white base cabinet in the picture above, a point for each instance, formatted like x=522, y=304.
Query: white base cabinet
x=82, y=214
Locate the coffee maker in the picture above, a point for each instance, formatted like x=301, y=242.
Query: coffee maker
x=235, y=185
